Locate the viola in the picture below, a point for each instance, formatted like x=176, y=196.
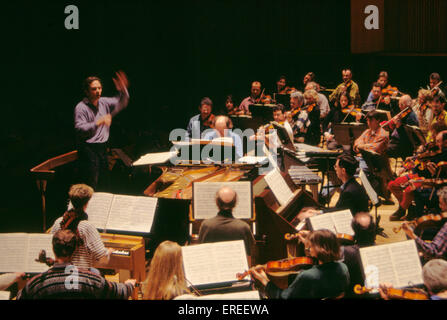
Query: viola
x=424, y=219
x=393, y=293
x=390, y=124
x=389, y=91
x=286, y=265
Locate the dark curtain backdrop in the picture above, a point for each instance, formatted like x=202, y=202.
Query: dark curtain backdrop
x=174, y=53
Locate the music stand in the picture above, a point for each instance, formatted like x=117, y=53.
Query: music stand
x=283, y=99
x=374, y=200
x=347, y=133
x=415, y=135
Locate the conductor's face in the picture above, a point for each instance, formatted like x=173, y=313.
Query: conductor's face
x=94, y=90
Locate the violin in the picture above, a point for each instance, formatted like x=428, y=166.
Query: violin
x=264, y=98
x=423, y=181
x=393, y=293
x=435, y=89
x=392, y=122
x=342, y=237
x=352, y=110
x=424, y=219
x=286, y=265
x=208, y=122
x=390, y=91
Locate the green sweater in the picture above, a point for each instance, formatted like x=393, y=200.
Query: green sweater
x=326, y=280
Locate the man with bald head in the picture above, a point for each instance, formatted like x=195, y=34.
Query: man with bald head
x=224, y=227
x=400, y=145
x=252, y=99
x=222, y=128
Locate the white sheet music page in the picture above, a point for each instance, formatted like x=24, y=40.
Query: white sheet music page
x=37, y=242
x=368, y=188
x=98, y=209
x=154, y=158
x=342, y=221
x=132, y=213
x=12, y=252
x=322, y=221
x=216, y=262
x=396, y=263
x=204, y=199
x=5, y=295
x=279, y=187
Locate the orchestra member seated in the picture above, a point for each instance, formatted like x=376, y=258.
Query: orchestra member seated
x=387, y=91
x=312, y=134
x=223, y=128
x=328, y=279
x=437, y=248
x=399, y=144
x=230, y=108
x=364, y=236
x=405, y=196
x=322, y=101
x=282, y=87
x=166, y=279
x=90, y=249
x=252, y=99
x=310, y=76
x=296, y=102
x=434, y=275
x=372, y=104
x=423, y=111
x=347, y=86
x=434, y=83
x=335, y=116
x=439, y=114
x=352, y=195
x=224, y=227
x=52, y=284
x=200, y=122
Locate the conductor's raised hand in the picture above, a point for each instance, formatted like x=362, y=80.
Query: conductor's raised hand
x=121, y=81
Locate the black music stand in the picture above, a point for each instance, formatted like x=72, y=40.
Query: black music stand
x=347, y=133
x=283, y=99
x=415, y=135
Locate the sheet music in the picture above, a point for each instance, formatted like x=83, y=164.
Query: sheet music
x=131, y=213
x=368, y=188
x=5, y=295
x=397, y=263
x=37, y=242
x=322, y=221
x=342, y=221
x=289, y=130
x=98, y=209
x=244, y=295
x=12, y=252
x=155, y=158
x=252, y=159
x=217, y=262
x=204, y=199
x=279, y=187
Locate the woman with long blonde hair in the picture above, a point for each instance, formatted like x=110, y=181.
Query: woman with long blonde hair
x=166, y=278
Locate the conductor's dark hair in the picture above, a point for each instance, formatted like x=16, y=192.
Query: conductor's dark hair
x=349, y=163
x=64, y=243
x=206, y=101
x=88, y=81
x=364, y=235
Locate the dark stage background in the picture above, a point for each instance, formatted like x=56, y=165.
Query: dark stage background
x=174, y=53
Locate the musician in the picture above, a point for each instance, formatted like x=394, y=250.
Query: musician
x=202, y=121
x=90, y=247
x=296, y=102
x=166, y=279
x=352, y=195
x=364, y=236
x=423, y=111
x=439, y=114
x=92, y=121
x=372, y=103
x=434, y=83
x=230, y=109
x=252, y=99
x=312, y=131
x=322, y=101
x=222, y=128
x=310, y=76
x=66, y=281
x=281, y=85
x=328, y=279
x=406, y=196
x=386, y=88
x=434, y=275
x=374, y=138
x=348, y=86
x=399, y=144
x=335, y=116
x=224, y=227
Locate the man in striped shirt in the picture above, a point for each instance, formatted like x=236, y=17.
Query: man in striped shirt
x=66, y=281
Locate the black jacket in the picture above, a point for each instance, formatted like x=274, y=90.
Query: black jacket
x=353, y=196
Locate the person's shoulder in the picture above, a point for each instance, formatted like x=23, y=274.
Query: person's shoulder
x=82, y=105
x=86, y=226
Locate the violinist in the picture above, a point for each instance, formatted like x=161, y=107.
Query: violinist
x=230, y=108
x=423, y=111
x=337, y=114
x=439, y=114
x=372, y=103
x=199, y=123
x=364, y=236
x=313, y=131
x=434, y=275
x=399, y=144
x=328, y=279
x=322, y=101
x=252, y=99
x=435, y=82
x=299, y=117
x=438, y=247
x=281, y=85
x=310, y=76
x=348, y=86
x=387, y=91
x=406, y=196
